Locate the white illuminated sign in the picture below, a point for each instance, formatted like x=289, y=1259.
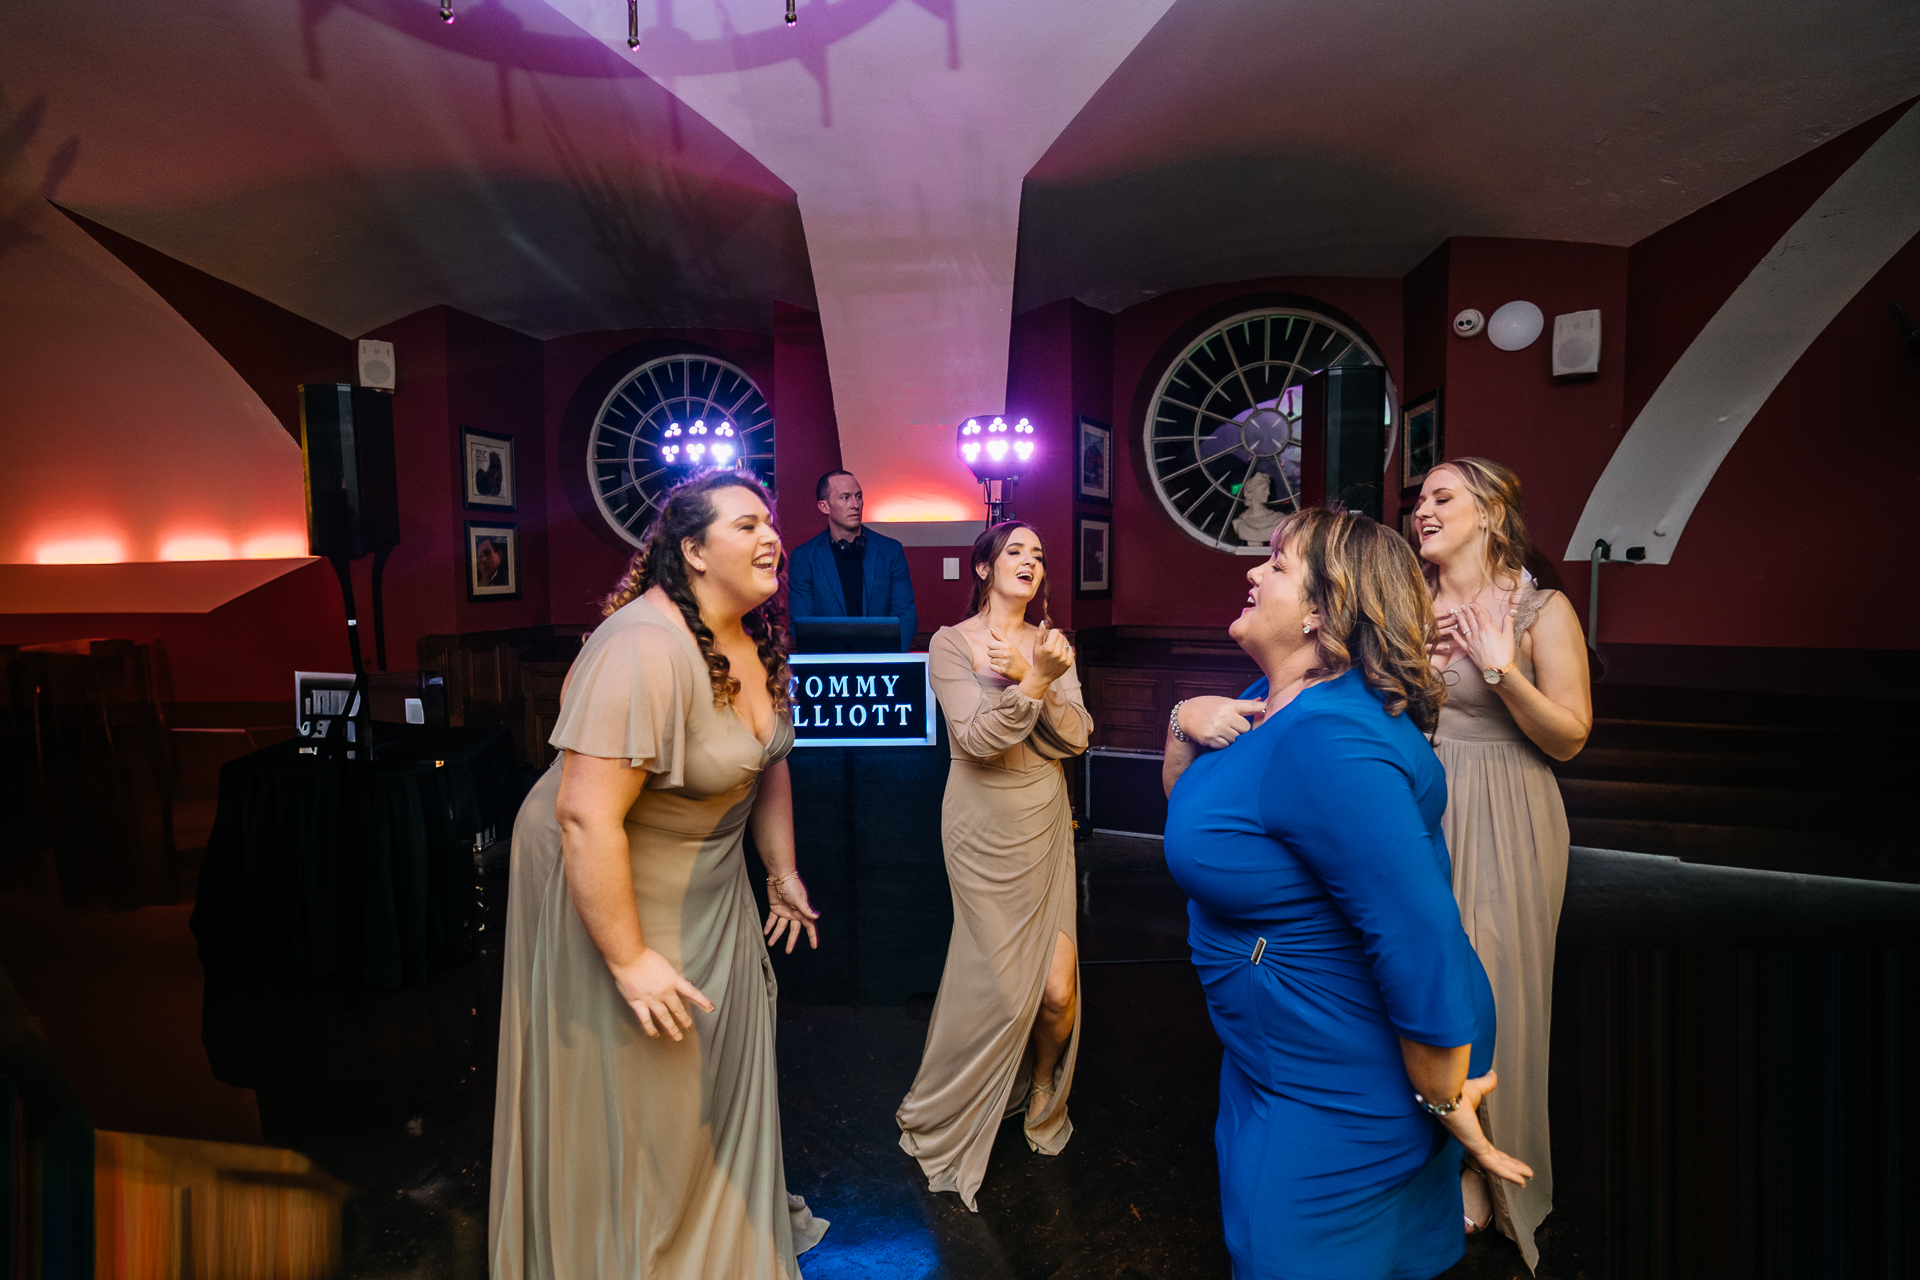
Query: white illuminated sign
x=861, y=700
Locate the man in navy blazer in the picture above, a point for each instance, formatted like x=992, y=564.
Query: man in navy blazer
x=850, y=571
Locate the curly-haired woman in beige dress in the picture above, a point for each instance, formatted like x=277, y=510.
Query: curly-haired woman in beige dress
x=637, y=1119
x=1006, y=1024
x=1517, y=695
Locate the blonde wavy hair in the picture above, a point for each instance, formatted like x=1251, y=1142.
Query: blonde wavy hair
x=1376, y=615
x=1496, y=491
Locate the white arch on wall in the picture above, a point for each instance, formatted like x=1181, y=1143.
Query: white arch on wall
x=1671, y=452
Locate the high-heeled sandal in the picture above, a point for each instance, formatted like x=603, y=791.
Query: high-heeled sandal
x=1475, y=1228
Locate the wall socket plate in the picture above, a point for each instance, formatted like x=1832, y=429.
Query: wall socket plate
x=950, y=568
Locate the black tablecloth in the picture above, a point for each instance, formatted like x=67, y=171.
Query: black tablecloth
x=319, y=869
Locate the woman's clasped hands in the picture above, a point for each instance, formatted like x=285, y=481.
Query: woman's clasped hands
x=1052, y=655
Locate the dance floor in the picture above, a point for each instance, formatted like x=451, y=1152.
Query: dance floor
x=400, y=1107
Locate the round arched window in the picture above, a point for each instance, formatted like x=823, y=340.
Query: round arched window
x=669, y=418
x=1222, y=433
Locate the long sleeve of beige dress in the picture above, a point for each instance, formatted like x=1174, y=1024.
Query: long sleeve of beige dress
x=1007, y=828
x=1506, y=828
x=618, y=1157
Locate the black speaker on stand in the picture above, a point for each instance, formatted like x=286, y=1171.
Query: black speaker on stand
x=1343, y=438
x=353, y=505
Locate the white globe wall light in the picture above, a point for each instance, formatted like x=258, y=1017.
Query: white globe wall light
x=1515, y=326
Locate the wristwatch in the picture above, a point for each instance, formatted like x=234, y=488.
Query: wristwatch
x=1492, y=675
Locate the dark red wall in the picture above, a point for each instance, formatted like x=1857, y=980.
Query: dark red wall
x=1059, y=368
x=803, y=406
x=1557, y=433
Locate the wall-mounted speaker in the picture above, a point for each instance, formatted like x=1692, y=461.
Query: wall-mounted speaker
x=1343, y=438
x=1576, y=343
x=346, y=450
x=376, y=364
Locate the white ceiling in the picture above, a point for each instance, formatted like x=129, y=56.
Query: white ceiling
x=1250, y=138
x=358, y=160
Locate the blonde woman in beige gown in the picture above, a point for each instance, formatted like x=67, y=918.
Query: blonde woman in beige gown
x=1006, y=1023
x=637, y=1118
x=1517, y=696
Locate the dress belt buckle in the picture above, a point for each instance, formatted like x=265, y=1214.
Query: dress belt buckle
x=1259, y=949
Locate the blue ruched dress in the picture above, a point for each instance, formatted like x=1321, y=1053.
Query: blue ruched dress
x=1319, y=832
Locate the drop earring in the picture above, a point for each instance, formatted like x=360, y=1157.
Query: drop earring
x=1306, y=628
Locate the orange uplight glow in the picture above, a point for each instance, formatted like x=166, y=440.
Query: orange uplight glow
x=919, y=510
x=196, y=547
x=275, y=546
x=81, y=551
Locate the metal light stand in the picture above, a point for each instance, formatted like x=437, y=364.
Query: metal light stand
x=998, y=495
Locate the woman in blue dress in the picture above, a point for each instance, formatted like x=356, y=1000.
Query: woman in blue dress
x=1357, y=1021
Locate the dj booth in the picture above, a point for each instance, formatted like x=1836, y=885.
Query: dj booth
x=869, y=769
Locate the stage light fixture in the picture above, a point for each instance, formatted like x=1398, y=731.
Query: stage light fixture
x=996, y=452
x=699, y=445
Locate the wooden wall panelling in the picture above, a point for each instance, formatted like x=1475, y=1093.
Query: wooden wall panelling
x=511, y=678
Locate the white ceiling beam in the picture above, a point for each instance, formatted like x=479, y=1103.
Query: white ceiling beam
x=905, y=127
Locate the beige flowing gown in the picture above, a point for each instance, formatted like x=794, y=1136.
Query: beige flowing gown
x=1008, y=832
x=616, y=1156
x=1506, y=828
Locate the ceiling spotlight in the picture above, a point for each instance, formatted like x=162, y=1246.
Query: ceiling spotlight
x=792, y=17
x=633, y=24
x=446, y=10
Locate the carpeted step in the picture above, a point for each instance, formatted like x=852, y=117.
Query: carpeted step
x=1832, y=773
x=1870, y=814
x=1755, y=740
x=1805, y=852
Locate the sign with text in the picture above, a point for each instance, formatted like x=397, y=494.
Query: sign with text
x=861, y=700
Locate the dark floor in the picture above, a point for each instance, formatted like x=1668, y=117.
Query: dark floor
x=393, y=1093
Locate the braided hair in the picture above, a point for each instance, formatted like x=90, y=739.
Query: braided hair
x=687, y=513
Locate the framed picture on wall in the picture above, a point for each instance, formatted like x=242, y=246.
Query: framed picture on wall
x=1094, y=561
x=487, y=463
x=1096, y=461
x=1424, y=432
x=493, y=561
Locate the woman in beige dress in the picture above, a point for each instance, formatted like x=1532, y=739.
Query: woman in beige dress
x=1517, y=695
x=1006, y=1023
x=637, y=1121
